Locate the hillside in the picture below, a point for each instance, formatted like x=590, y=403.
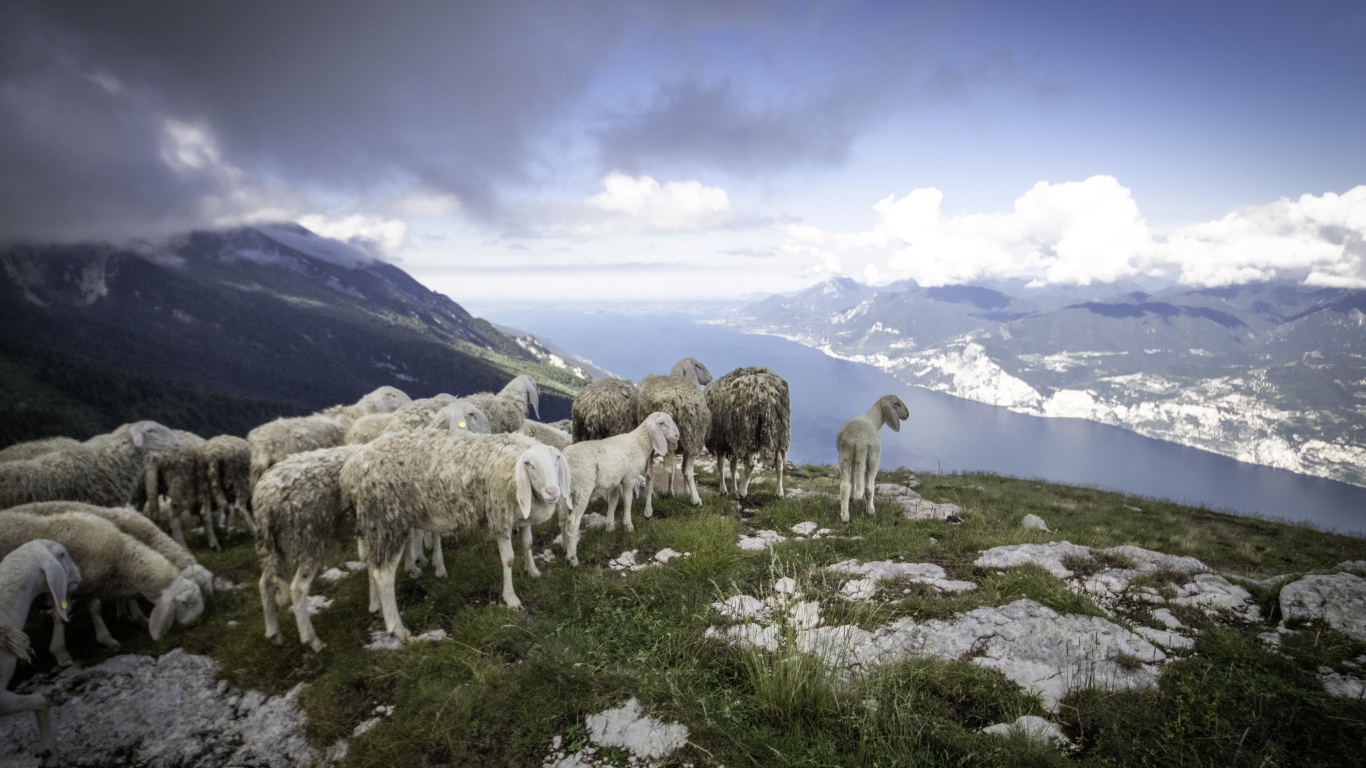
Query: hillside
x=1268, y=373
x=271, y=320
x=1109, y=626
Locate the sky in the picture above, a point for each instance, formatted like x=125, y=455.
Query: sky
x=627, y=151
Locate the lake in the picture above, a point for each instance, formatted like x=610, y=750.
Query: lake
x=945, y=433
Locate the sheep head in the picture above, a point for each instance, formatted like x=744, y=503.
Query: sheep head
x=201, y=576
x=692, y=368
x=181, y=602
x=59, y=570
x=385, y=399
x=154, y=437
x=541, y=472
x=893, y=411
x=461, y=416
x=663, y=432
x=533, y=397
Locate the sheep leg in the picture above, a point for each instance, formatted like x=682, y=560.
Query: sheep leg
x=531, y=568
x=721, y=471
x=102, y=635
x=669, y=465
x=846, y=487
x=781, y=461
x=13, y=703
x=207, y=514
x=134, y=611
x=747, y=468
x=384, y=577
x=506, y=555
x=247, y=522
x=370, y=573
x=438, y=560
x=413, y=553
x=649, y=494
x=267, y=586
x=870, y=486
x=626, y=492
x=58, y=645
x=690, y=480
x=570, y=529
x=298, y=592
x=611, y=512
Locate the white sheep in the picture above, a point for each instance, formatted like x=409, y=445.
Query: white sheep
x=455, y=416
x=227, y=478
x=544, y=433
x=612, y=465
x=447, y=483
x=860, y=450
x=507, y=409
x=277, y=439
x=113, y=565
x=27, y=450
x=31, y=569
x=408, y=416
x=103, y=470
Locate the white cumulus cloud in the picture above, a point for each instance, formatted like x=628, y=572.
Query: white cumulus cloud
x=642, y=203
x=380, y=236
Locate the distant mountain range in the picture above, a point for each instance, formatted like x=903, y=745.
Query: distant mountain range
x=1269, y=373
x=218, y=331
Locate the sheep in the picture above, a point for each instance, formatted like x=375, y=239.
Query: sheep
x=298, y=508
x=751, y=414
x=277, y=439
x=860, y=449
x=113, y=565
x=101, y=471
x=129, y=522
x=227, y=476
x=31, y=569
x=604, y=408
x=28, y=450
x=544, y=433
x=444, y=483
x=680, y=397
x=564, y=425
x=507, y=409
x=692, y=368
x=408, y=416
x=612, y=465
x=179, y=476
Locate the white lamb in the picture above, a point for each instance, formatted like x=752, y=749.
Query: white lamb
x=860, y=450
x=34, y=568
x=613, y=464
x=448, y=483
x=113, y=565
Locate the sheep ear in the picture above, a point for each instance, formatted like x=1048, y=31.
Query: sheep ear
x=562, y=474
x=56, y=582
x=657, y=439
x=533, y=397
x=163, y=615
x=138, y=434
x=523, y=486
x=890, y=416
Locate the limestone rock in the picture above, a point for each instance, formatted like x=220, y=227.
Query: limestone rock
x=1033, y=522
x=1036, y=729
x=628, y=728
x=1339, y=600
x=1342, y=686
x=1048, y=556
x=760, y=541
x=877, y=571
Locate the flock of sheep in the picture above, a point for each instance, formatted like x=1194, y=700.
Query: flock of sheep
x=104, y=519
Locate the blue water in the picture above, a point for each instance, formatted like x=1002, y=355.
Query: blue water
x=945, y=433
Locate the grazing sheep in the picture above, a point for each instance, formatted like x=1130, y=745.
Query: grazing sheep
x=612, y=465
x=113, y=565
x=133, y=524
x=102, y=471
x=860, y=449
x=507, y=409
x=298, y=508
x=544, y=433
x=751, y=415
x=178, y=475
x=461, y=416
x=28, y=450
x=31, y=569
x=227, y=477
x=680, y=397
x=277, y=439
x=447, y=483
x=411, y=415
x=603, y=409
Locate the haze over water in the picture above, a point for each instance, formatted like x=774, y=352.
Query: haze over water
x=945, y=433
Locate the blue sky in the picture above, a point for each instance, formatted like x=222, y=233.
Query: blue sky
x=706, y=150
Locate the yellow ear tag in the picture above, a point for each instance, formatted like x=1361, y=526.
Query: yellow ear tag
x=462, y=425
x=64, y=605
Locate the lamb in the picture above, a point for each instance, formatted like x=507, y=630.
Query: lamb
x=544, y=433
x=113, y=565
x=680, y=397
x=129, y=522
x=28, y=450
x=227, y=476
x=277, y=439
x=31, y=569
x=298, y=508
x=604, y=408
x=444, y=483
x=101, y=471
x=612, y=465
x=751, y=415
x=860, y=450
x=507, y=409
x=408, y=416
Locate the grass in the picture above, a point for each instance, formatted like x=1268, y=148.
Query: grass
x=505, y=683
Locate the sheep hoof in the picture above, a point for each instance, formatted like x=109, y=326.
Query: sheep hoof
x=574, y=562
x=109, y=642
x=275, y=640
x=440, y=574
x=316, y=644
x=534, y=573
x=64, y=660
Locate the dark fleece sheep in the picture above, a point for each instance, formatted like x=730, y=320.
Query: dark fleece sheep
x=751, y=416
x=603, y=409
x=680, y=397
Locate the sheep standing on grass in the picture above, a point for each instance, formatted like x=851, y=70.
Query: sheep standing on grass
x=612, y=465
x=277, y=439
x=227, y=479
x=860, y=450
x=113, y=565
x=103, y=470
x=751, y=416
x=507, y=409
x=36, y=567
x=448, y=483
x=178, y=475
x=679, y=396
x=604, y=408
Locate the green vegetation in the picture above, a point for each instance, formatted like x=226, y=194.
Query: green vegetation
x=505, y=683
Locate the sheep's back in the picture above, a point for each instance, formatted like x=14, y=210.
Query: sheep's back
x=298, y=503
x=506, y=412
x=32, y=448
x=682, y=400
x=605, y=408
x=95, y=544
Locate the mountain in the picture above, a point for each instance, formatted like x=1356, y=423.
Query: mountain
x=1269, y=373
x=274, y=319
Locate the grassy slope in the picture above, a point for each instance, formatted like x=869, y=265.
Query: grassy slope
x=506, y=683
